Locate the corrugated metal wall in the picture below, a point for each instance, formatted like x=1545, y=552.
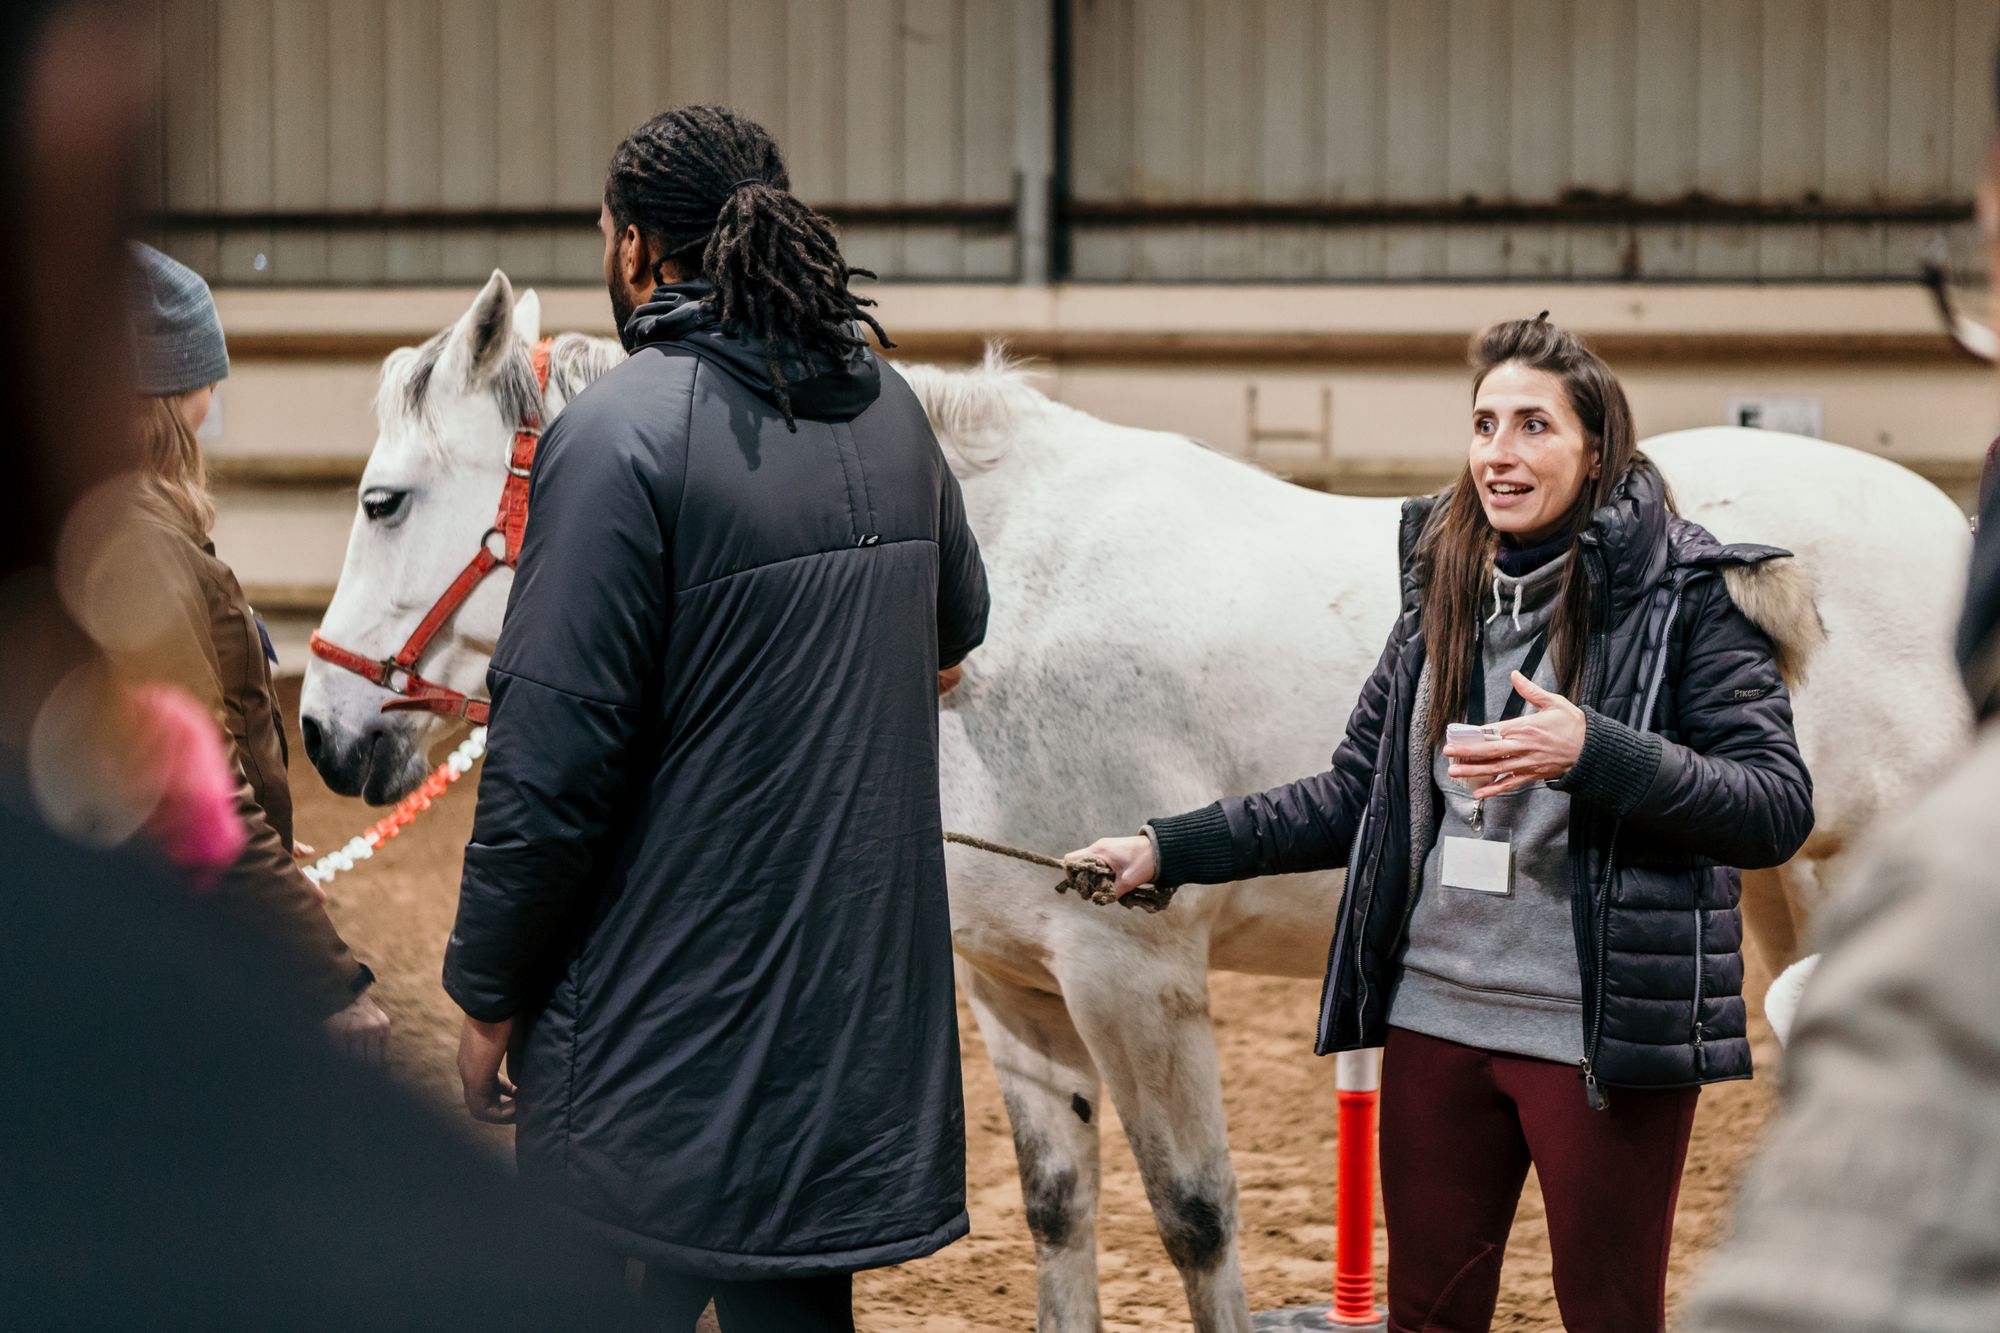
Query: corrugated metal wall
x=1649, y=112
x=1208, y=139
x=326, y=107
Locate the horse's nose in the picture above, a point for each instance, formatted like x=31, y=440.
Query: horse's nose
x=314, y=738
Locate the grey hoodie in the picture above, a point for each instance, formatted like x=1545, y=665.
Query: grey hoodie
x=1494, y=970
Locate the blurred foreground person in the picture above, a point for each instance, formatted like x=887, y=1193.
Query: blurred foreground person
x=181, y=1150
x=197, y=631
x=704, y=900
x=1875, y=1203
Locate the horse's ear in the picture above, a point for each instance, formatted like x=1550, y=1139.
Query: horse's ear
x=528, y=316
x=486, y=331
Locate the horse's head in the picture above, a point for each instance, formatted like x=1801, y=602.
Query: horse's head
x=446, y=415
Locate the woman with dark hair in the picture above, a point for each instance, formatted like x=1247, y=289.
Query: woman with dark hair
x=1570, y=736
x=704, y=901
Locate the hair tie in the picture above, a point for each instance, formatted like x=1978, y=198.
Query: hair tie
x=747, y=180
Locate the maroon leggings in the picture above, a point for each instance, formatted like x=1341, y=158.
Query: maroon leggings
x=1459, y=1129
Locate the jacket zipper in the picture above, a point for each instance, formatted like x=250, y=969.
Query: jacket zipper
x=1700, y=960
x=1593, y=1093
x=1359, y=880
x=1333, y=953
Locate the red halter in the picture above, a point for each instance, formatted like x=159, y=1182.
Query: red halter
x=398, y=674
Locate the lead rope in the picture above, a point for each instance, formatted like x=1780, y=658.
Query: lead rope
x=1091, y=876
x=362, y=846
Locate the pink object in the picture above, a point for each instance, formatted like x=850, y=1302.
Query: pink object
x=178, y=753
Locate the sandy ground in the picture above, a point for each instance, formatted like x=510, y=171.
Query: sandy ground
x=397, y=910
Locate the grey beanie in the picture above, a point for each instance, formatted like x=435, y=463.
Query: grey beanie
x=179, y=339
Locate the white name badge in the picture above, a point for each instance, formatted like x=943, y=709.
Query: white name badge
x=1478, y=864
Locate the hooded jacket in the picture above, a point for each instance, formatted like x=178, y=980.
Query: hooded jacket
x=206, y=640
x=706, y=869
x=1689, y=769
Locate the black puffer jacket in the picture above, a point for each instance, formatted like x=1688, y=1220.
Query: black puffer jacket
x=707, y=867
x=1690, y=767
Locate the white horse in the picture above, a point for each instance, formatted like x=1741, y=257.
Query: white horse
x=1169, y=625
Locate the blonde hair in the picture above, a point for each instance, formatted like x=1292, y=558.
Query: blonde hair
x=174, y=483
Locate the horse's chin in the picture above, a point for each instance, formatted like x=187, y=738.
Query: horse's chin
x=381, y=767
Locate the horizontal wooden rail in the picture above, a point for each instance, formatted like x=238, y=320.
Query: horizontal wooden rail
x=286, y=471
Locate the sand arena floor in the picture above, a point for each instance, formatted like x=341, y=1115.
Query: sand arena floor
x=397, y=910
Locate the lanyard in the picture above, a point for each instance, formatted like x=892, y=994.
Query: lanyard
x=1475, y=694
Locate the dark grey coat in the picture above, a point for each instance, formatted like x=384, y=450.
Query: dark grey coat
x=706, y=868
x=1690, y=769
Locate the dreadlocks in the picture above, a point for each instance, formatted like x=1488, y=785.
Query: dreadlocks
x=708, y=190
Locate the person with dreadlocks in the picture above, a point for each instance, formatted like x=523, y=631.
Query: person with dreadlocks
x=703, y=910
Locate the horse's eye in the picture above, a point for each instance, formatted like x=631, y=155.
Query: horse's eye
x=382, y=505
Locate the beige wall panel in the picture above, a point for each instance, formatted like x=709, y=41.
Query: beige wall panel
x=1791, y=155
x=243, y=132
x=933, y=130
x=1417, y=56
x=1976, y=27
x=1729, y=129
x=1856, y=137
x=1221, y=151
x=188, y=96
x=1167, y=135
x=585, y=130
x=522, y=101
x=1666, y=127
x=1103, y=143
x=1355, y=115
x=297, y=409
x=1290, y=147
x=817, y=91
x=295, y=538
x=1546, y=143
x=697, y=37
x=415, y=104
x=300, y=168
x=469, y=168
x=638, y=62
x=415, y=144
x=1603, y=110
x=874, y=119
x=755, y=56
x=357, y=134
x=986, y=85
x=1473, y=80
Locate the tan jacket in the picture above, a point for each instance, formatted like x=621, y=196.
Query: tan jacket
x=204, y=638
x=1875, y=1203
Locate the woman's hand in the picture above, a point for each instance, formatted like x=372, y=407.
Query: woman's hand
x=1539, y=747
x=1131, y=859
x=361, y=1031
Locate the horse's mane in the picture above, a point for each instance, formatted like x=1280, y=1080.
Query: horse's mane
x=974, y=411
x=577, y=360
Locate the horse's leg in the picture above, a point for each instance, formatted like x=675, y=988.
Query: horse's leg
x=1051, y=1090
x=1148, y=1027
x=1770, y=916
